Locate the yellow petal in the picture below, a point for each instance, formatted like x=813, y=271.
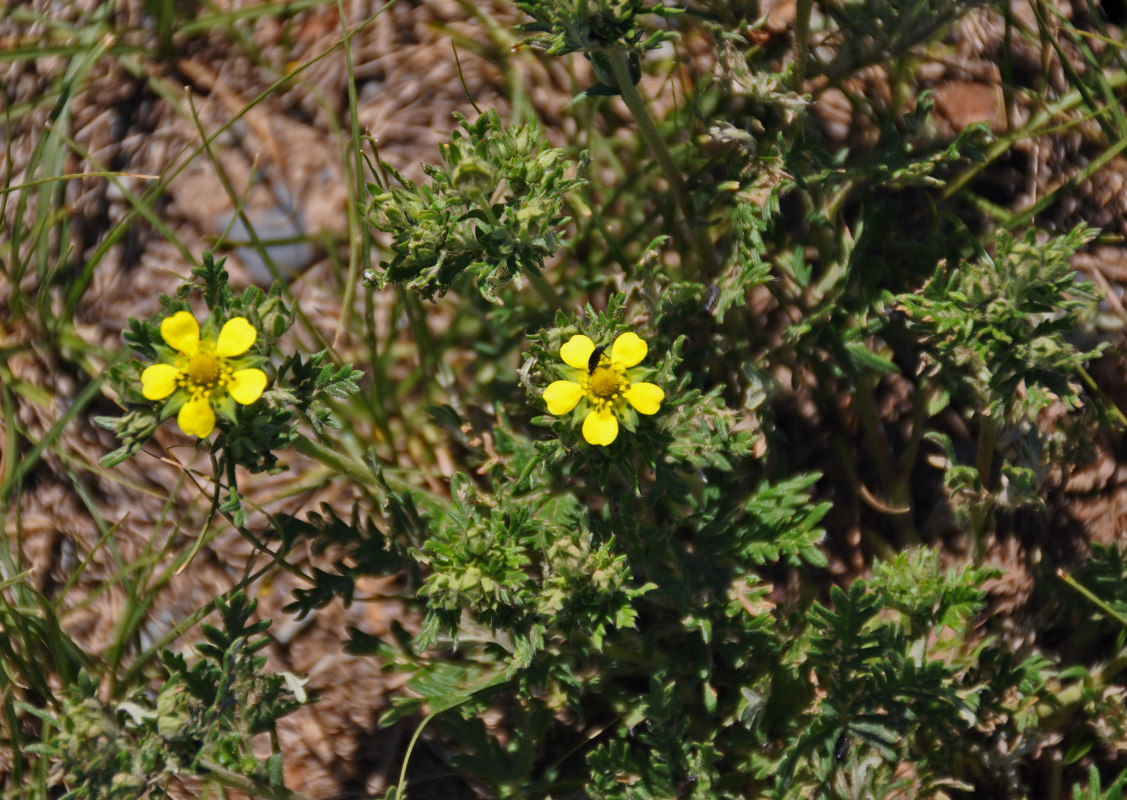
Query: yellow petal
x=629, y=349
x=196, y=418
x=577, y=352
x=159, y=381
x=562, y=396
x=236, y=338
x=182, y=332
x=246, y=385
x=600, y=427
x=645, y=397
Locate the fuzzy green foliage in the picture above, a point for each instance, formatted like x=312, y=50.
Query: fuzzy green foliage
x=1001, y=322
x=225, y=697
x=996, y=334
x=586, y=26
x=592, y=27
x=530, y=570
x=731, y=599
x=493, y=210
x=897, y=684
x=864, y=33
x=203, y=718
x=102, y=752
x=363, y=550
x=929, y=598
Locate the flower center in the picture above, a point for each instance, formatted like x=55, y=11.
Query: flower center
x=203, y=369
x=603, y=382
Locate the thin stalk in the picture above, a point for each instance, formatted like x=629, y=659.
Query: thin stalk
x=864, y=401
x=919, y=424
x=1041, y=124
x=1092, y=598
x=984, y=463
x=1109, y=404
x=1095, y=165
x=401, y=787
x=548, y=293
x=359, y=245
x=255, y=788
x=894, y=483
x=1068, y=699
x=344, y=464
x=802, y=11
x=82, y=281
x=636, y=104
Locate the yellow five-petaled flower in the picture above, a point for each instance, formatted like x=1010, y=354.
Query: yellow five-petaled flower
x=605, y=384
x=204, y=373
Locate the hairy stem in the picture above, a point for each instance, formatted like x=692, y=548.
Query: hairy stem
x=255, y=788
x=636, y=104
x=984, y=463
x=344, y=464
x=894, y=482
x=548, y=293
x=802, y=11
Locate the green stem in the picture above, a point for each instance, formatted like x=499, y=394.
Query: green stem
x=401, y=787
x=255, y=788
x=894, y=483
x=1092, y=598
x=344, y=464
x=547, y=291
x=802, y=11
x=919, y=427
x=864, y=401
x=984, y=463
x=1068, y=699
x=636, y=104
x=1109, y=404
x=1042, y=123
x=631, y=654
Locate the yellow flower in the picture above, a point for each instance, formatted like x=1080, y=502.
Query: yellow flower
x=605, y=384
x=199, y=375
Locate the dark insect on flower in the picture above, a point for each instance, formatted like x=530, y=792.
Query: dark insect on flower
x=896, y=312
x=841, y=748
x=710, y=298
x=685, y=787
x=596, y=354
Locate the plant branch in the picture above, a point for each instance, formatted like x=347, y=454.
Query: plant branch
x=548, y=293
x=255, y=788
x=802, y=11
x=636, y=104
x=984, y=463
x=345, y=465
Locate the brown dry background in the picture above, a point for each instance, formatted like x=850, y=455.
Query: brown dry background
x=285, y=156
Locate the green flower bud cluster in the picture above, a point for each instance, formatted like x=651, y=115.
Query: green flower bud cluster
x=493, y=208
x=593, y=28
x=588, y=26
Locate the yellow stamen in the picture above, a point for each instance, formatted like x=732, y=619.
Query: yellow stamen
x=604, y=382
x=203, y=369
